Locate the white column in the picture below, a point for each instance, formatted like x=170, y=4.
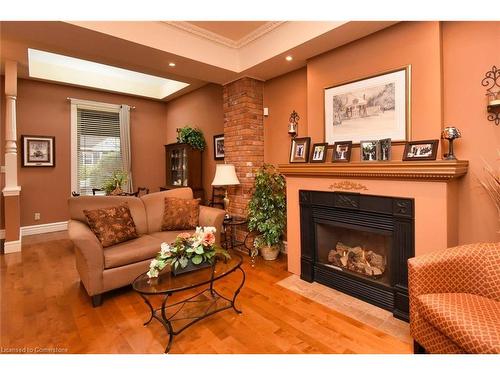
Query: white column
x=11, y=189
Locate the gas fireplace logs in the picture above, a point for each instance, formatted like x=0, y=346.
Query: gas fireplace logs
x=357, y=259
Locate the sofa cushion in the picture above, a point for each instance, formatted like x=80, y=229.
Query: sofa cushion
x=180, y=214
x=472, y=321
x=169, y=236
x=155, y=205
x=112, y=225
x=136, y=206
x=142, y=248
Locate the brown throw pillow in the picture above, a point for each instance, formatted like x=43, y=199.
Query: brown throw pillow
x=112, y=225
x=180, y=214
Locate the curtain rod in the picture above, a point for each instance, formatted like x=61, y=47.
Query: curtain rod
x=68, y=98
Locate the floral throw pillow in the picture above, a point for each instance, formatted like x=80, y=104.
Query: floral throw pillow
x=112, y=225
x=180, y=214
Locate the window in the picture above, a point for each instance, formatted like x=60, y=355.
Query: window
x=96, y=144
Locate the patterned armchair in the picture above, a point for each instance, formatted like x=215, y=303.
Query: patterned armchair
x=455, y=300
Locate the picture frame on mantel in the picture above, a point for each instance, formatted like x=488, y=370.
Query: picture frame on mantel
x=373, y=107
x=299, y=150
x=38, y=151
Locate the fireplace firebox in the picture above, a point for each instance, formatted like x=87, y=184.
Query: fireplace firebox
x=359, y=244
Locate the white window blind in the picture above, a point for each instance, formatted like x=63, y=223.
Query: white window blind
x=98, y=148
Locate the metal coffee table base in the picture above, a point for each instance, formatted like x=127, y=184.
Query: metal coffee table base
x=193, y=309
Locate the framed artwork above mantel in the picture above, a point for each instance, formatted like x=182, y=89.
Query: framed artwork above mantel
x=374, y=107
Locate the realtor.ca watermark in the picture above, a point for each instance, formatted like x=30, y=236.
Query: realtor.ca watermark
x=32, y=350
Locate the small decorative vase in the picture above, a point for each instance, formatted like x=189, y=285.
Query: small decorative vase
x=190, y=267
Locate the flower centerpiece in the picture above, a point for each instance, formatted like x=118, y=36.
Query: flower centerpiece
x=198, y=249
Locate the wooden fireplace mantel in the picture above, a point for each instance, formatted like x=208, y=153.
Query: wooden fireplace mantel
x=438, y=170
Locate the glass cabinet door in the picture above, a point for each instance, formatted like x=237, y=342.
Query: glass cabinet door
x=178, y=167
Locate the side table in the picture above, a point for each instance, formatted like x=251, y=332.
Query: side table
x=230, y=242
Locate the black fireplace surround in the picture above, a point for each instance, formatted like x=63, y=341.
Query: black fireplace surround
x=386, y=225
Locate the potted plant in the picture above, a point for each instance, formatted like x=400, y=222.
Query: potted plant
x=188, y=252
x=267, y=211
x=192, y=136
x=114, y=184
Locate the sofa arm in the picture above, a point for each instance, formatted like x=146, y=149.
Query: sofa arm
x=462, y=269
x=212, y=217
x=89, y=256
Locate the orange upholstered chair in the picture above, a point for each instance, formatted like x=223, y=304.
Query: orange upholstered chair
x=455, y=300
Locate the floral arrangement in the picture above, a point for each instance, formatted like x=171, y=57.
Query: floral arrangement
x=195, y=248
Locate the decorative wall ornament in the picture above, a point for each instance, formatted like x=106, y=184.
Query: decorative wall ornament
x=491, y=81
x=293, y=124
x=347, y=185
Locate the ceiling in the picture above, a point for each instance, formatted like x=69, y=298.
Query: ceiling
x=234, y=30
x=203, y=51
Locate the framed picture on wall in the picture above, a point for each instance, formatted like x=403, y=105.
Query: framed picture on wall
x=373, y=107
x=299, y=150
x=219, y=147
x=38, y=151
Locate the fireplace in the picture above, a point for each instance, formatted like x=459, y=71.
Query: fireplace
x=358, y=244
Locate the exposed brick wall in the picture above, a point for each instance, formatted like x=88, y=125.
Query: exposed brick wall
x=243, y=137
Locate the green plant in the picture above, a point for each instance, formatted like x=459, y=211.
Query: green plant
x=117, y=179
x=193, y=137
x=267, y=207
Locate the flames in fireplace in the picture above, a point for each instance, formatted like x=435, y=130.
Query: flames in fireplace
x=358, y=259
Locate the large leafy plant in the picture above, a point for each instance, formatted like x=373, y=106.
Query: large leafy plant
x=267, y=207
x=193, y=137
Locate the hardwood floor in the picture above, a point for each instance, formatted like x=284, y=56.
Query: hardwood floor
x=44, y=307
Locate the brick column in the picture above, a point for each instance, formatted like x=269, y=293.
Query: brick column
x=243, y=137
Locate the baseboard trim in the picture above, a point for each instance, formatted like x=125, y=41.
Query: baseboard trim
x=10, y=247
x=43, y=228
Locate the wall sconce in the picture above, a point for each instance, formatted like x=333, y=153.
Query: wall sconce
x=293, y=124
x=491, y=81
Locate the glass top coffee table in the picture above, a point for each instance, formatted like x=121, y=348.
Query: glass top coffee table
x=179, y=315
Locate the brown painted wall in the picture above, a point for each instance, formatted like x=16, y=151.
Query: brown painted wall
x=415, y=43
x=2, y=145
x=449, y=59
x=201, y=108
x=470, y=49
x=42, y=109
x=282, y=95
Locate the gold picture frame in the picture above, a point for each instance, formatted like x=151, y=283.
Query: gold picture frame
x=299, y=150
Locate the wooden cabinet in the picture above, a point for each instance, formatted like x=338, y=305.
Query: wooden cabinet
x=184, y=168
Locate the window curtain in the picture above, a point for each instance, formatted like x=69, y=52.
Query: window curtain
x=125, y=145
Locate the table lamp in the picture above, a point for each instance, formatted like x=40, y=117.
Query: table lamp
x=450, y=133
x=225, y=175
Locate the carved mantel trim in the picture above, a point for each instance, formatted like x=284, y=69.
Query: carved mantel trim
x=439, y=170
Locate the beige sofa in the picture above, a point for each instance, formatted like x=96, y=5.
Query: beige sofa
x=103, y=269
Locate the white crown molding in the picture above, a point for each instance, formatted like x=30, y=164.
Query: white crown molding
x=43, y=228
x=214, y=37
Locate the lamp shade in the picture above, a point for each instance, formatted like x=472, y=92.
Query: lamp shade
x=225, y=174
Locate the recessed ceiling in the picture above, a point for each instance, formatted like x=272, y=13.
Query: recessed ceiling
x=234, y=30
x=70, y=70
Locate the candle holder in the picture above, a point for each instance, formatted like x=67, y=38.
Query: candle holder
x=450, y=133
x=491, y=81
x=293, y=124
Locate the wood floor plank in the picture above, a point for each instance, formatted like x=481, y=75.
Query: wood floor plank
x=44, y=305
